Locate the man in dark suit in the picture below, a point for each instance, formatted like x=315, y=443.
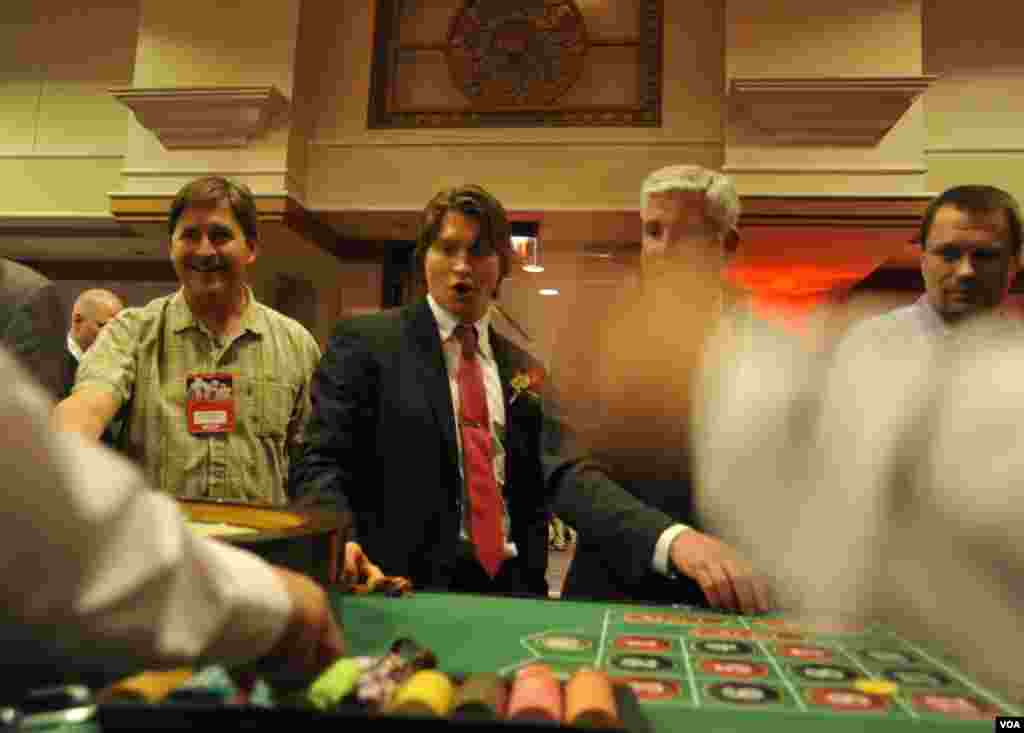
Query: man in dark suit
x=688, y=216
x=32, y=324
x=390, y=431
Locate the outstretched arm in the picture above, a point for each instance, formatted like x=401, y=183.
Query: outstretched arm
x=128, y=585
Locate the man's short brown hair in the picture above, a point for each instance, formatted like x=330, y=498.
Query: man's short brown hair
x=213, y=191
x=975, y=199
x=477, y=204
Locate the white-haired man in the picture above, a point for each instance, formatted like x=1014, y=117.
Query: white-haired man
x=689, y=216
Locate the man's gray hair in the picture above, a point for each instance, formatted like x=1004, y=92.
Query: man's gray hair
x=722, y=201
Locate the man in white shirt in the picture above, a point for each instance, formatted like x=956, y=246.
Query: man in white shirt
x=970, y=239
x=126, y=586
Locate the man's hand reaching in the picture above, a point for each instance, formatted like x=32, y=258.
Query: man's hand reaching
x=729, y=582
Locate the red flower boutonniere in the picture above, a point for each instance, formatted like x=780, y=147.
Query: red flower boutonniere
x=527, y=383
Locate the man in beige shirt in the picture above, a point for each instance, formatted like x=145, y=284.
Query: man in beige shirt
x=234, y=444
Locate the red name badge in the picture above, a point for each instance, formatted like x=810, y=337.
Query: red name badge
x=210, y=402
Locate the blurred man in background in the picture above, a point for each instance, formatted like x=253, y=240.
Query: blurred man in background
x=32, y=323
x=90, y=313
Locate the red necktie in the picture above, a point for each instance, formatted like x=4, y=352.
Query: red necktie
x=486, y=512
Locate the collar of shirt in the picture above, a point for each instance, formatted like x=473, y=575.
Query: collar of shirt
x=74, y=348
x=446, y=324
x=935, y=325
x=181, y=317
x=931, y=321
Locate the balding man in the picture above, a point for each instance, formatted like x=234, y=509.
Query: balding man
x=89, y=315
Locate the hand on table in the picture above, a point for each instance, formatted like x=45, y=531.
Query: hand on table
x=357, y=568
x=311, y=641
x=729, y=582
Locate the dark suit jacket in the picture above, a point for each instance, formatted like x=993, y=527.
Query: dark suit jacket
x=32, y=324
x=70, y=371
x=591, y=577
x=382, y=441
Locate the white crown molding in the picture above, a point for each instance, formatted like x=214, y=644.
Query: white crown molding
x=204, y=117
x=963, y=150
x=887, y=170
x=872, y=195
x=71, y=155
x=197, y=172
x=470, y=142
x=50, y=224
x=827, y=110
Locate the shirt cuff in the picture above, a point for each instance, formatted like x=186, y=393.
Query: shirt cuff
x=260, y=606
x=660, y=563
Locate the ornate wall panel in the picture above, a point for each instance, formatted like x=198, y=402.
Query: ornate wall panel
x=516, y=63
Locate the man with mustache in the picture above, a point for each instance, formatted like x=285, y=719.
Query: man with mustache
x=234, y=444
x=445, y=441
x=970, y=239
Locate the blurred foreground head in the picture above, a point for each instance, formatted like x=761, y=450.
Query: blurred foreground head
x=688, y=213
x=650, y=343
x=885, y=484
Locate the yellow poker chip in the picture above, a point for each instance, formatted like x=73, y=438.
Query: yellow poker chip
x=876, y=687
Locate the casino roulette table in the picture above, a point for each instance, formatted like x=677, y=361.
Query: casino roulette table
x=691, y=669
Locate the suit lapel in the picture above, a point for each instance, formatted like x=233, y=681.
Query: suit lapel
x=505, y=366
x=426, y=345
x=505, y=372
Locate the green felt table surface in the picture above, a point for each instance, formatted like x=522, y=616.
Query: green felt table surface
x=471, y=634
x=486, y=634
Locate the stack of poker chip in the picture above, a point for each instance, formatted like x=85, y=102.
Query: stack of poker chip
x=587, y=700
x=427, y=693
x=536, y=695
x=215, y=685
x=481, y=697
x=406, y=682
x=368, y=683
x=590, y=700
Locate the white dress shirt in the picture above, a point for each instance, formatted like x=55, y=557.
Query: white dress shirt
x=446, y=324
x=452, y=348
x=96, y=565
x=74, y=348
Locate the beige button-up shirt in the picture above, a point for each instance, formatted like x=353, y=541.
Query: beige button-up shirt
x=144, y=357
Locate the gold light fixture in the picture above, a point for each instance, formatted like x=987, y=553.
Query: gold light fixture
x=526, y=243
